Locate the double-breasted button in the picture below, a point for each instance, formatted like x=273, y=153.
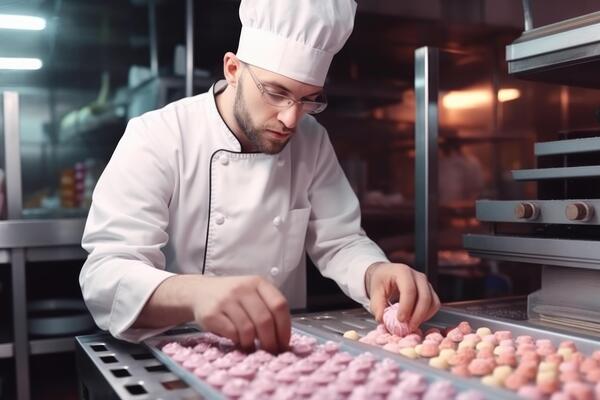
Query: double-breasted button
x=274, y=271
x=277, y=221
x=219, y=219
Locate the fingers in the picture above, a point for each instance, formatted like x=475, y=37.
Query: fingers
x=278, y=307
x=408, y=295
x=262, y=319
x=378, y=303
x=418, y=301
x=221, y=325
x=246, y=332
x=423, y=302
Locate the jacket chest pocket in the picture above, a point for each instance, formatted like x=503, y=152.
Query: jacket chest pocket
x=295, y=227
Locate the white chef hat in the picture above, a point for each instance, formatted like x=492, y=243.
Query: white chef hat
x=295, y=38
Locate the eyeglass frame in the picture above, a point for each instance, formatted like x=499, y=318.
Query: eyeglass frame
x=264, y=91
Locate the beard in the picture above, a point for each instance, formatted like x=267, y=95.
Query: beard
x=257, y=136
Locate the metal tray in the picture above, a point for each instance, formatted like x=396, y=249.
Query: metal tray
x=304, y=326
x=338, y=322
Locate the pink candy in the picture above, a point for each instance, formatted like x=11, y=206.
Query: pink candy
x=435, y=336
x=171, y=348
x=287, y=357
x=194, y=361
x=524, y=339
x=481, y=366
x=391, y=322
x=579, y=390
x=218, y=378
x=245, y=371
x=287, y=375
x=182, y=354
x=455, y=335
x=440, y=390
x=330, y=347
x=204, y=371
x=503, y=335
x=531, y=392
x=323, y=373
x=235, y=387
x=464, y=328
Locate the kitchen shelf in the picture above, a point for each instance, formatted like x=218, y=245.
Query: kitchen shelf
x=41, y=346
x=6, y=345
x=54, y=213
x=591, y=171
x=52, y=345
x=40, y=233
x=561, y=252
x=570, y=146
x=55, y=253
x=6, y=350
x=567, y=52
x=93, y=126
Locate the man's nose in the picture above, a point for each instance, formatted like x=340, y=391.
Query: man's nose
x=290, y=116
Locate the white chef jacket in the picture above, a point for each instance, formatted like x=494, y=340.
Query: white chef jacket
x=180, y=196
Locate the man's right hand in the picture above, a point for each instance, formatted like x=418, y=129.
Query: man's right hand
x=243, y=308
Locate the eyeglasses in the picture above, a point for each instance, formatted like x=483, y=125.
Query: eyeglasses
x=285, y=102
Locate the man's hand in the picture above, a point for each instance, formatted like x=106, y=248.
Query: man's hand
x=241, y=308
x=417, y=300
x=244, y=308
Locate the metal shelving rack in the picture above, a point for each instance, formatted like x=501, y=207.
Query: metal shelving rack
x=23, y=240
x=29, y=240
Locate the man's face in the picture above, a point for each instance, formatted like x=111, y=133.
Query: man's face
x=267, y=127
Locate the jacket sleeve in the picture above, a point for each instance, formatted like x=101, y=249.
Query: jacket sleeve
x=335, y=240
x=126, y=230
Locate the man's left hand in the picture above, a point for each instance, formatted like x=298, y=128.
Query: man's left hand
x=389, y=282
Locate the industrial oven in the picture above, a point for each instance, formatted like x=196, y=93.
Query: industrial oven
x=559, y=229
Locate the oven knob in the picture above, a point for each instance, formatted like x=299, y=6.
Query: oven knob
x=579, y=211
x=526, y=210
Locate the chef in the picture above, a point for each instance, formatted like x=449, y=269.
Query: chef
x=208, y=206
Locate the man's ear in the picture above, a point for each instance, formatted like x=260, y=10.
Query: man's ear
x=232, y=68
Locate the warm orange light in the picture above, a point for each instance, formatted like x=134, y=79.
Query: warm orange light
x=508, y=94
x=466, y=99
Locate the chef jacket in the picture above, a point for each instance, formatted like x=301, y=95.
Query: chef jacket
x=179, y=196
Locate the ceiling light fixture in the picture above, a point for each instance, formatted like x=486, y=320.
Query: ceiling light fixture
x=20, y=63
x=22, y=22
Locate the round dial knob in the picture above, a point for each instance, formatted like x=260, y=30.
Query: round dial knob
x=579, y=211
x=526, y=210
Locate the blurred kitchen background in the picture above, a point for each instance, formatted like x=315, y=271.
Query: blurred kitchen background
x=102, y=62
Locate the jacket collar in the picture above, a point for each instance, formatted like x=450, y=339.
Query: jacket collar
x=231, y=139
